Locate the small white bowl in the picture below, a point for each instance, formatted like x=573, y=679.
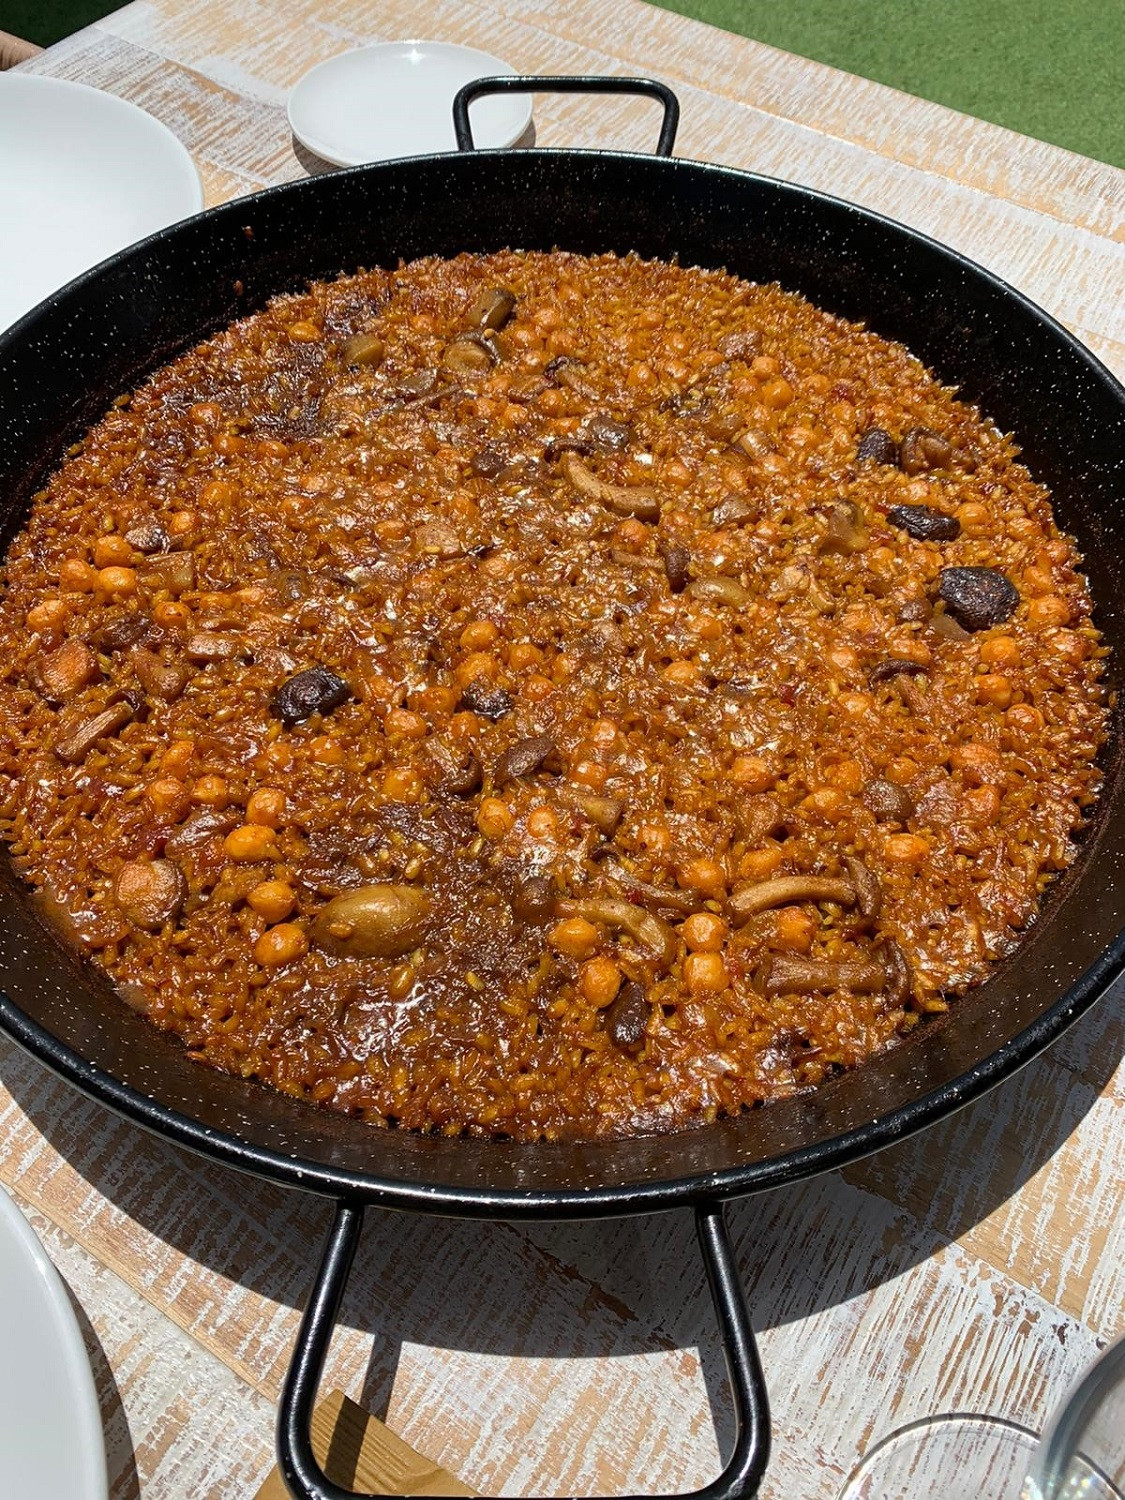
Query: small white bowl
x=396, y=99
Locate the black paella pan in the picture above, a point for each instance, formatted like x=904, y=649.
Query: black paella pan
x=63, y=364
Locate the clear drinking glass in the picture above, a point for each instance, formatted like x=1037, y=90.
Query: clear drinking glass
x=961, y=1456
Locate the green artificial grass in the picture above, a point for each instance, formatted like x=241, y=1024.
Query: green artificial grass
x=1049, y=68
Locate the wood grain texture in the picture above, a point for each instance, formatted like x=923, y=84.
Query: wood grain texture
x=977, y=1266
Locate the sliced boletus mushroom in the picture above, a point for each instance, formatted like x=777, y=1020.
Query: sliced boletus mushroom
x=923, y=449
x=374, y=921
x=150, y=892
x=651, y=931
x=924, y=523
x=868, y=891
x=316, y=690
x=486, y=699
x=626, y=1018
x=492, y=308
x=604, y=812
x=897, y=969
x=79, y=738
x=845, y=532
x=896, y=666
x=622, y=499
x=978, y=597
x=878, y=446
x=160, y=679
x=888, y=802
x=364, y=349
x=721, y=590
x=785, y=890
x=677, y=563
x=523, y=758
x=785, y=974
x=470, y=354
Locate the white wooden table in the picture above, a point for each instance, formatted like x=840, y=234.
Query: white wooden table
x=975, y=1268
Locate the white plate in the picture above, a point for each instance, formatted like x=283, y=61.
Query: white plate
x=50, y=1427
x=82, y=175
x=396, y=99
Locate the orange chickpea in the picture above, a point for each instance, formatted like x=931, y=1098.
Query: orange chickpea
x=1050, y=609
x=982, y=804
x=599, y=979
x=272, y=899
x=171, y=615
x=252, y=841
x=112, y=551
x=681, y=673
x=705, y=875
x=763, y=366
x=777, y=393
x=228, y=444
x=973, y=516
x=523, y=655
x=169, y=798
x=304, y=332
x=1038, y=579
x=705, y=974
x=794, y=929
x=266, y=807
x=844, y=659
x=77, y=577
x=760, y=864
x=478, y=635
x=180, y=522
x=855, y=705
x=847, y=776
x=46, y=617
x=901, y=770
x=977, y=763
x=400, y=723
x=323, y=750
x=275, y=757
x=995, y=689
x=478, y=664
x=177, y=758
x=435, y=699
x=752, y=773
x=905, y=850
x=205, y=414
x=589, y=773
x=574, y=938
x=703, y=932
x=210, y=791
x=1070, y=646
x=654, y=837
x=604, y=734
x=283, y=944
x=1000, y=651
x=707, y=627
x=631, y=535
x=218, y=492
x=1024, y=718
x=403, y=784
x=117, y=580
x=537, y=687
x=825, y=803
x=542, y=823
x=494, y=818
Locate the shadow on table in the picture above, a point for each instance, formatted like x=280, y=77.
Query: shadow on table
x=603, y=1289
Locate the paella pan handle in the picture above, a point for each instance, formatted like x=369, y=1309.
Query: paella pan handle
x=740, y=1479
x=567, y=84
